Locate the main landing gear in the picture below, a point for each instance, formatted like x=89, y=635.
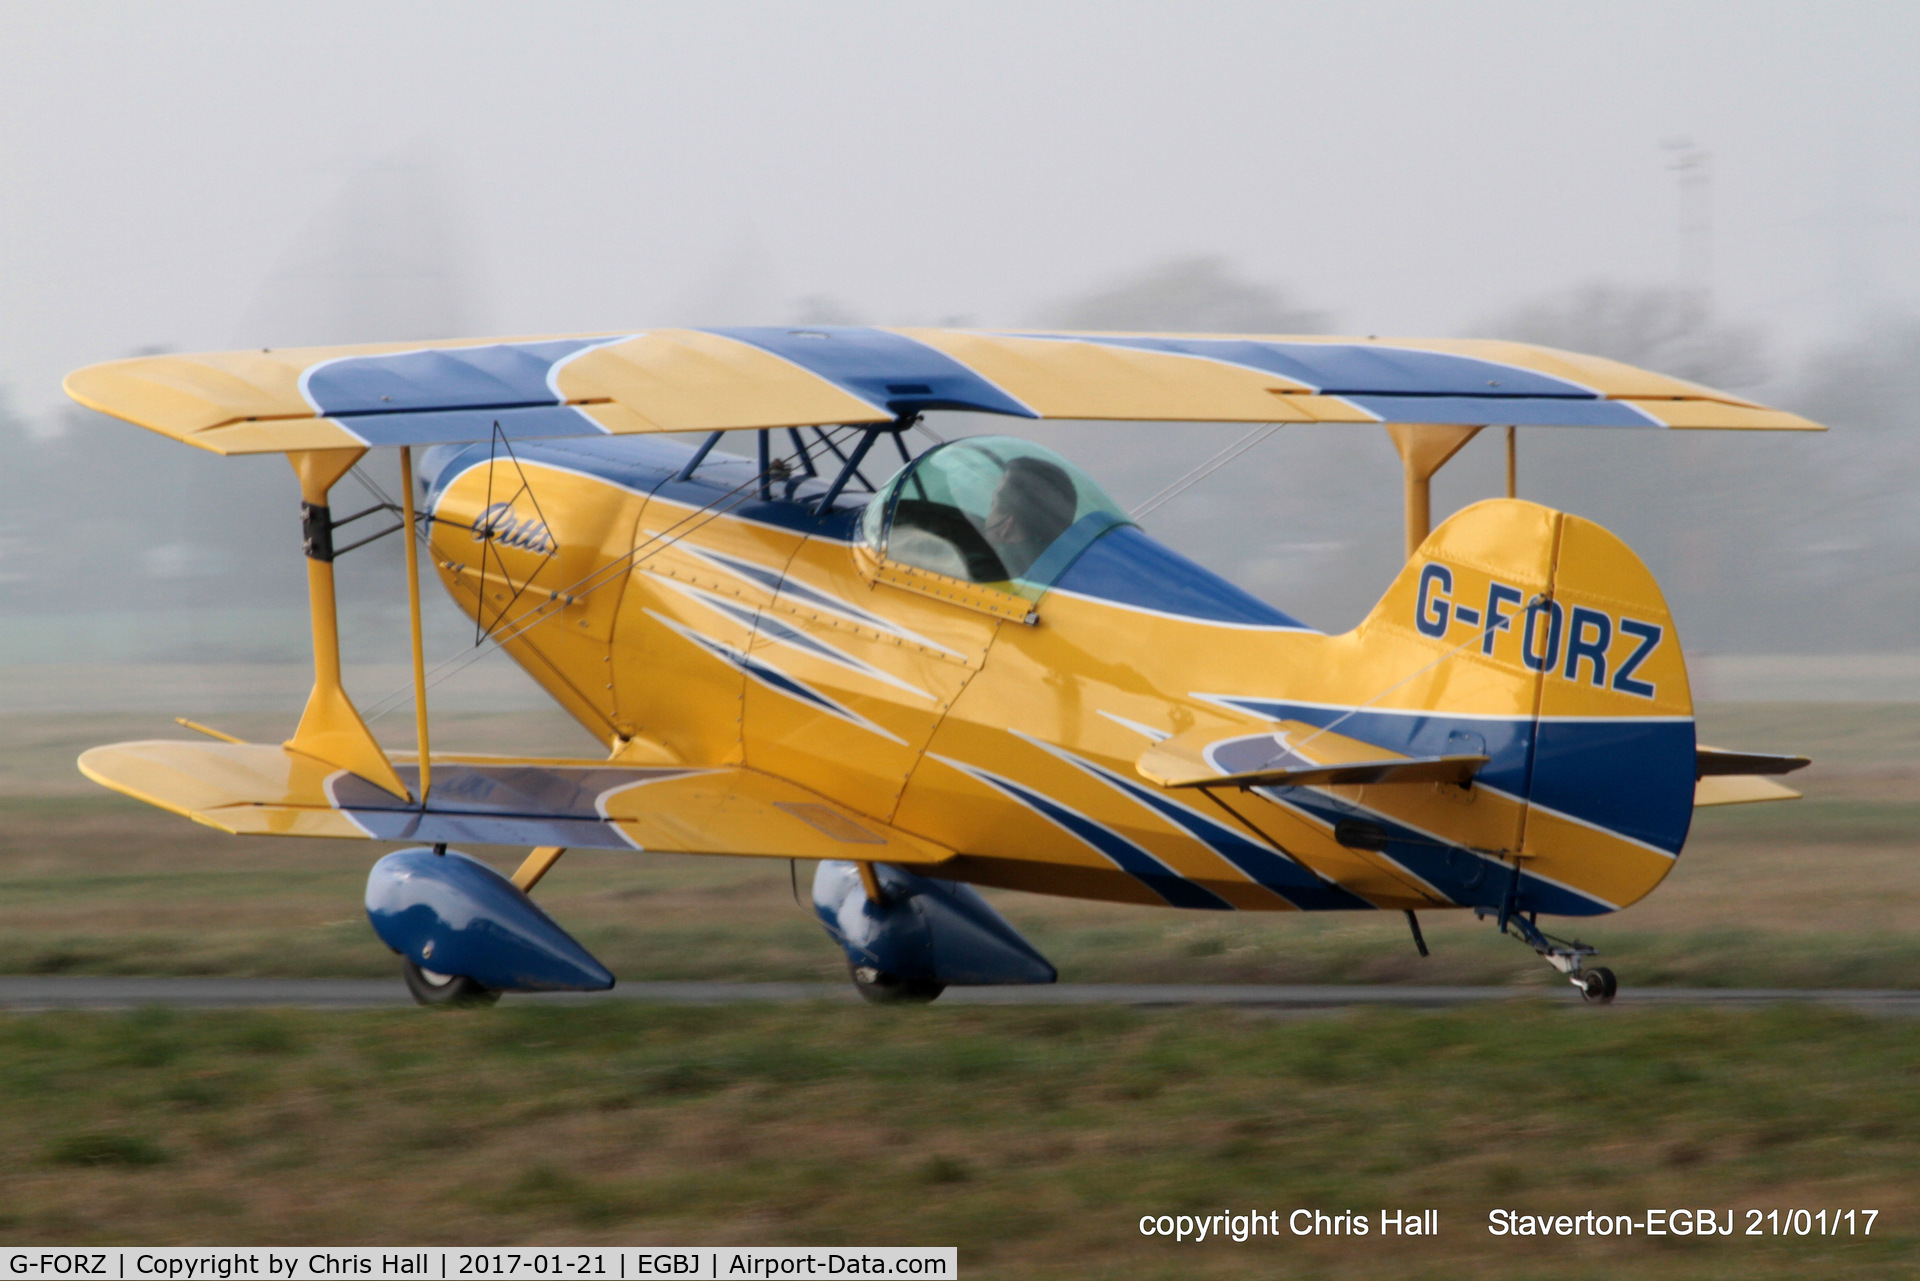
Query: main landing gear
x=465, y=933
x=1596, y=984
x=883, y=988
x=431, y=988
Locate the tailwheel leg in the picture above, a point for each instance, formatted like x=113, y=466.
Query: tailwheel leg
x=1596, y=984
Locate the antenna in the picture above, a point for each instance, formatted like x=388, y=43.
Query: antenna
x=1694, y=168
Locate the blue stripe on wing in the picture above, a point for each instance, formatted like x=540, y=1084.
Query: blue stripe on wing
x=1355, y=369
x=442, y=395
x=505, y=804
x=455, y=426
x=1404, y=384
x=885, y=369
x=497, y=376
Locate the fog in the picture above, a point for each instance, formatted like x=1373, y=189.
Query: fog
x=1725, y=191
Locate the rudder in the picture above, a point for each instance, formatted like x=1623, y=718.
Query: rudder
x=1540, y=640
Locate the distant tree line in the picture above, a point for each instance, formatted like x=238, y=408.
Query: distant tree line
x=1783, y=544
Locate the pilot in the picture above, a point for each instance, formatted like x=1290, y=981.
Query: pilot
x=1033, y=506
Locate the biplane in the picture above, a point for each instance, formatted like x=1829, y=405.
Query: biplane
x=936, y=664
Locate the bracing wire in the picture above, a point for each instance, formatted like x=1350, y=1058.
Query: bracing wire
x=518, y=627
x=371, y=486
x=1539, y=600
x=1205, y=469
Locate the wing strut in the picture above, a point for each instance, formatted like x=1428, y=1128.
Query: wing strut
x=1424, y=449
x=413, y=609
x=331, y=729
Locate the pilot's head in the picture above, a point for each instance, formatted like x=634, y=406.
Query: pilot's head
x=1033, y=505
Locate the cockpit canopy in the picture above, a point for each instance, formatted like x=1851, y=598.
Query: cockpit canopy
x=990, y=509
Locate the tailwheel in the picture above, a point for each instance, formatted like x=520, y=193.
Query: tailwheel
x=1596, y=983
x=883, y=988
x=431, y=988
x=1598, y=986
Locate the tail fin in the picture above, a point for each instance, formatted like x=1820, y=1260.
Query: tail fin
x=1539, y=640
x=1610, y=798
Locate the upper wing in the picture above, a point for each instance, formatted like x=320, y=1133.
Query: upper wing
x=266, y=790
x=675, y=380
x=1290, y=754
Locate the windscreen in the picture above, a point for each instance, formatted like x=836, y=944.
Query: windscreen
x=992, y=510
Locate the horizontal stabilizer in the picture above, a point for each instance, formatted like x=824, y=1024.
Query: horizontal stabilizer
x=1739, y=789
x=1711, y=761
x=1292, y=754
x=260, y=789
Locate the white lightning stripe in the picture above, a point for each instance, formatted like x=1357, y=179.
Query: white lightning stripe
x=600, y=801
x=810, y=645
x=812, y=596
x=1104, y=776
x=1145, y=731
x=1011, y=791
x=1319, y=822
x=553, y=370
x=746, y=663
x=1577, y=821
x=1238, y=703
x=1439, y=840
x=1235, y=703
x=1301, y=630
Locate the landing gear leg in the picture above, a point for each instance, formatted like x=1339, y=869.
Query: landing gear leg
x=1597, y=984
x=875, y=984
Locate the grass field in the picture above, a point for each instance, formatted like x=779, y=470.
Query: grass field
x=1032, y=1139
x=1824, y=891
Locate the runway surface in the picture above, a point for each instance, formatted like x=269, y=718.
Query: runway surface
x=82, y=993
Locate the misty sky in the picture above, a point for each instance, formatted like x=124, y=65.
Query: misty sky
x=174, y=173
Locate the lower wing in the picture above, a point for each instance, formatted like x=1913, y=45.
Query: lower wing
x=261, y=789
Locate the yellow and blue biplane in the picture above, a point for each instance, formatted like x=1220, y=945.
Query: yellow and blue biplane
x=977, y=671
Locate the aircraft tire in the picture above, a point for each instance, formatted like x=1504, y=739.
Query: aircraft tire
x=882, y=988
x=1598, y=986
x=429, y=988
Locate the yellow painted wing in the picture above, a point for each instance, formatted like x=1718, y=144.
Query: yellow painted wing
x=268, y=790
x=684, y=380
